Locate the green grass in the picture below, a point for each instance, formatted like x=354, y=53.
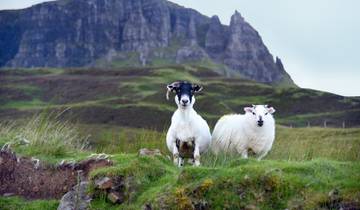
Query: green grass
x=293, y=144
x=15, y=203
x=45, y=137
x=239, y=183
x=304, y=165
x=146, y=85
x=25, y=105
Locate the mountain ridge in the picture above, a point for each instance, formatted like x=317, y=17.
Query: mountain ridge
x=82, y=33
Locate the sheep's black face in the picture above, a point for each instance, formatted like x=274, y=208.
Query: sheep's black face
x=184, y=92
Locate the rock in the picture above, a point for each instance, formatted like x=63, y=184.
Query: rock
x=190, y=53
x=8, y=194
x=246, y=52
x=103, y=183
x=89, y=31
x=115, y=197
x=76, y=198
x=215, y=37
x=147, y=207
x=149, y=152
x=251, y=207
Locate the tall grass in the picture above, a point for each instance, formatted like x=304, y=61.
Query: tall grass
x=44, y=134
x=293, y=144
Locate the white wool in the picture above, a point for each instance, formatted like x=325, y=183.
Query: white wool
x=239, y=133
x=187, y=125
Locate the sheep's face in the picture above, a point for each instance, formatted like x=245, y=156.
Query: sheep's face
x=184, y=93
x=259, y=113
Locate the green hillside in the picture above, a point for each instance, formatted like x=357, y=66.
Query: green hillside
x=68, y=114
x=114, y=96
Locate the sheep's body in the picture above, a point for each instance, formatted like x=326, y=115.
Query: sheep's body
x=187, y=125
x=238, y=133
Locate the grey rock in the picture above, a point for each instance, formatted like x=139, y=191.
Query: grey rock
x=215, y=39
x=149, y=152
x=103, y=183
x=76, y=199
x=190, y=54
x=77, y=33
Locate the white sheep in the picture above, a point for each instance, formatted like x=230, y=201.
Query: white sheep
x=188, y=131
x=255, y=131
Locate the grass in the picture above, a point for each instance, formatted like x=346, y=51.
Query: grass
x=236, y=185
x=16, y=203
x=44, y=136
x=304, y=165
x=292, y=144
x=121, y=87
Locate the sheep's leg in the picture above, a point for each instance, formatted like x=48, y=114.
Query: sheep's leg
x=181, y=162
x=244, y=154
x=197, y=156
x=262, y=155
x=176, y=155
x=191, y=161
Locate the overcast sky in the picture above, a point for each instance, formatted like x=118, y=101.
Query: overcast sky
x=317, y=40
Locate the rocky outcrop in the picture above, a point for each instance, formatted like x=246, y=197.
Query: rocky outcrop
x=216, y=38
x=69, y=33
x=246, y=51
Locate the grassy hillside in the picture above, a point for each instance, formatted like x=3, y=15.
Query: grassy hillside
x=114, y=96
x=68, y=114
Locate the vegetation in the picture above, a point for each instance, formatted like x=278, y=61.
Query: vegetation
x=305, y=165
x=120, y=110
x=112, y=96
x=45, y=137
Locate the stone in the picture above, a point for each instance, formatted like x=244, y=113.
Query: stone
x=215, y=37
x=103, y=183
x=76, y=198
x=115, y=197
x=149, y=152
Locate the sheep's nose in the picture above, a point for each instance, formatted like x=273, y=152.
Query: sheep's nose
x=260, y=123
x=185, y=101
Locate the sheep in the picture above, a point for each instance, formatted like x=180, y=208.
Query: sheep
x=189, y=134
x=236, y=133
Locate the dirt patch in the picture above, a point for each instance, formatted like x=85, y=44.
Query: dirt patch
x=35, y=180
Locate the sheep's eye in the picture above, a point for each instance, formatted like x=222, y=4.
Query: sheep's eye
x=266, y=113
x=253, y=113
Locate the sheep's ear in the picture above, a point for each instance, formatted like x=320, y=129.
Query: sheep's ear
x=271, y=110
x=197, y=88
x=173, y=86
x=249, y=109
x=170, y=87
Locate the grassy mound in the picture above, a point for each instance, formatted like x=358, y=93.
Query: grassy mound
x=237, y=185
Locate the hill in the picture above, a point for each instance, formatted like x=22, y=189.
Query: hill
x=114, y=96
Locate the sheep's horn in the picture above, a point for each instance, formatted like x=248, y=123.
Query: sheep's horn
x=167, y=94
x=174, y=84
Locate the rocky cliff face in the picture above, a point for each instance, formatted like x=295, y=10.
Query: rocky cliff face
x=74, y=33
